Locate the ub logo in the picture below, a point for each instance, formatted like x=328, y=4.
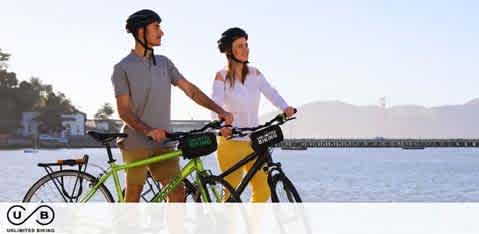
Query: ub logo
x=18, y=215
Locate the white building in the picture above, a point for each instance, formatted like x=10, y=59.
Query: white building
x=74, y=124
x=29, y=125
x=104, y=125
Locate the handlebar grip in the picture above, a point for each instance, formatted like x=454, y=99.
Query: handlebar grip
x=234, y=132
x=216, y=124
x=294, y=111
x=167, y=135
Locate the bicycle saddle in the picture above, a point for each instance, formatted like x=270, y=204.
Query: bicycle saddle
x=105, y=137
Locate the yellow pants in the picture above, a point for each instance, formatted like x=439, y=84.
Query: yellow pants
x=228, y=154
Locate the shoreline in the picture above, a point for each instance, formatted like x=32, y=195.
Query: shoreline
x=73, y=143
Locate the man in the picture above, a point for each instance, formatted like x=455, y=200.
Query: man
x=142, y=84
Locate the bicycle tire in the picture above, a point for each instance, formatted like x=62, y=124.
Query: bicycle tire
x=211, y=181
x=56, y=177
x=288, y=188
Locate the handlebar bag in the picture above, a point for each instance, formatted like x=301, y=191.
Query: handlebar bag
x=198, y=144
x=264, y=138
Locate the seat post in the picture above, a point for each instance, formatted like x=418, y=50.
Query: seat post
x=110, y=155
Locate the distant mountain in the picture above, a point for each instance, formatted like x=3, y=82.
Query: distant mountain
x=334, y=119
x=473, y=102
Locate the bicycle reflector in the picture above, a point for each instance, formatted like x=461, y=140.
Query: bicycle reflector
x=262, y=139
x=197, y=145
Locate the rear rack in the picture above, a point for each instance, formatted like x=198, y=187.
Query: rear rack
x=81, y=162
x=59, y=183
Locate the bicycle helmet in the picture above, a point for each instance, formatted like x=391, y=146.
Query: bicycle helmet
x=141, y=19
x=225, y=43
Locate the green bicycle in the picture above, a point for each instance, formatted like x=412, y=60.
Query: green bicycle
x=67, y=185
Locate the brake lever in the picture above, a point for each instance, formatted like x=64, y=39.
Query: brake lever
x=284, y=120
x=216, y=124
x=236, y=136
x=168, y=140
x=169, y=137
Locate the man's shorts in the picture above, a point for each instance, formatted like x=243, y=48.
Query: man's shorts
x=160, y=171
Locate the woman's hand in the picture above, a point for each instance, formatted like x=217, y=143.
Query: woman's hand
x=226, y=116
x=289, y=111
x=226, y=131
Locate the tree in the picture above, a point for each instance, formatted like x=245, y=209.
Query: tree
x=38, y=86
x=4, y=57
x=104, y=112
x=50, y=115
x=28, y=96
x=8, y=80
x=10, y=112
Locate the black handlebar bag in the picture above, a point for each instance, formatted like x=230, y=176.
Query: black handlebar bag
x=263, y=139
x=197, y=145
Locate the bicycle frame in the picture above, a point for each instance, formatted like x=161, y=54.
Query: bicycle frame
x=262, y=158
x=193, y=165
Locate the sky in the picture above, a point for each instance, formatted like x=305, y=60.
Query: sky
x=411, y=52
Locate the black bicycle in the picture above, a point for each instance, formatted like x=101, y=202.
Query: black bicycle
x=263, y=138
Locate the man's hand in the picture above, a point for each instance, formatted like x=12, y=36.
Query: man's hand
x=289, y=111
x=157, y=134
x=226, y=116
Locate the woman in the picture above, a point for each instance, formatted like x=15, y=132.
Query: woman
x=237, y=88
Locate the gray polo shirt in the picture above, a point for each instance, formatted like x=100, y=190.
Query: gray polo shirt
x=135, y=75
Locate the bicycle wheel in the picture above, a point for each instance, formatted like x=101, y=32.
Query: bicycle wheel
x=66, y=186
x=218, y=190
x=282, y=190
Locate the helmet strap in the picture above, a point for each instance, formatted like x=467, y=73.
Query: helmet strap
x=145, y=45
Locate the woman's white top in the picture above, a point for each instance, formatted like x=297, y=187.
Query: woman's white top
x=242, y=100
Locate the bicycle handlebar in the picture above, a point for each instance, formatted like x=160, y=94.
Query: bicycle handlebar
x=280, y=119
x=175, y=136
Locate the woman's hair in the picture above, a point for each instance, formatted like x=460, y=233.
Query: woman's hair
x=225, y=45
x=230, y=73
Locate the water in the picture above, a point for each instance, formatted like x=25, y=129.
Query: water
x=320, y=175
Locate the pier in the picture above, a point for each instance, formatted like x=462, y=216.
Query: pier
x=380, y=143
x=410, y=143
